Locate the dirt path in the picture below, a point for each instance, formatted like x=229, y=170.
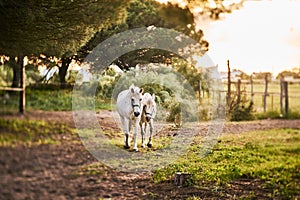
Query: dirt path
x=59, y=171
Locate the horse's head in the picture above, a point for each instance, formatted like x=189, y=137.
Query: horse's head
x=149, y=106
x=136, y=94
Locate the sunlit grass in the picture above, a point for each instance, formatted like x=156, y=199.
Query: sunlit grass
x=30, y=132
x=50, y=100
x=96, y=168
x=271, y=156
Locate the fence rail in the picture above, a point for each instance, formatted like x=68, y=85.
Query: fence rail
x=21, y=89
x=11, y=89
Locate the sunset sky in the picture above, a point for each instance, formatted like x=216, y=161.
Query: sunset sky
x=261, y=36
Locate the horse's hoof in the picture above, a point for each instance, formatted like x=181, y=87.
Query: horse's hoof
x=143, y=146
x=126, y=147
x=149, y=145
x=135, y=149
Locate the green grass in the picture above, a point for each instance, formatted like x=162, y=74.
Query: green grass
x=274, y=114
x=158, y=143
x=117, y=138
x=270, y=156
x=28, y=132
x=48, y=100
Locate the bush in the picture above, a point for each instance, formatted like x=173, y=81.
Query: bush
x=204, y=114
x=292, y=115
x=242, y=112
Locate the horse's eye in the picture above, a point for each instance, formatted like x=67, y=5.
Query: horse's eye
x=140, y=99
x=132, y=99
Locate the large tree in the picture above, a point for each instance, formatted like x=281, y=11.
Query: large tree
x=53, y=28
x=139, y=13
x=143, y=13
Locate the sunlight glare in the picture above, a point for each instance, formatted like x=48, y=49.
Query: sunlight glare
x=261, y=36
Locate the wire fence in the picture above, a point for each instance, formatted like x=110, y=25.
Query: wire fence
x=281, y=96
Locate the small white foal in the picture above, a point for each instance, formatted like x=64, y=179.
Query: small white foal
x=129, y=104
x=148, y=114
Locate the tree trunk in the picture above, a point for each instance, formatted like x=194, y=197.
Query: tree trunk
x=286, y=92
x=22, y=92
x=63, y=71
x=16, y=66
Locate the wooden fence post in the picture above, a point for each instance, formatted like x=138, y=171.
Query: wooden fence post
x=252, y=92
x=281, y=95
x=239, y=91
x=22, y=92
x=266, y=93
x=286, y=97
x=229, y=86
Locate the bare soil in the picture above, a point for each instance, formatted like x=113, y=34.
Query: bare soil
x=58, y=171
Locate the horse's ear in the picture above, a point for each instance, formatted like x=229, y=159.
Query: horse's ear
x=153, y=97
x=141, y=90
x=131, y=88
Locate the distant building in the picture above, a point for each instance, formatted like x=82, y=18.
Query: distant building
x=116, y=69
x=235, y=75
x=48, y=73
x=214, y=73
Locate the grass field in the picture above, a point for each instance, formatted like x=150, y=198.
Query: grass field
x=46, y=99
x=32, y=132
x=269, y=156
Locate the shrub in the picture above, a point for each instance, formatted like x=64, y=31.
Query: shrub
x=240, y=112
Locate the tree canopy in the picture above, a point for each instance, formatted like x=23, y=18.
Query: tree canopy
x=144, y=13
x=57, y=28
x=292, y=73
x=54, y=27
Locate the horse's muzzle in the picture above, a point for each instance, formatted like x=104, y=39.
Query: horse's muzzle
x=136, y=114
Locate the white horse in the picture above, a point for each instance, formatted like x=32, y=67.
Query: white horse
x=129, y=104
x=148, y=114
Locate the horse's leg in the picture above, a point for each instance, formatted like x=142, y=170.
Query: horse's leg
x=136, y=127
x=129, y=126
x=151, y=131
x=143, y=134
x=125, y=123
